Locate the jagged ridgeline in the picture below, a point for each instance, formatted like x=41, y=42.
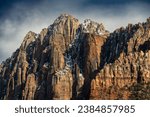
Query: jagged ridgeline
x=73, y=60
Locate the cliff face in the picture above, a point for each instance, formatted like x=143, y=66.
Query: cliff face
x=125, y=63
x=69, y=60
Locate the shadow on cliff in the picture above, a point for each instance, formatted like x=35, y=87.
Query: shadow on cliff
x=145, y=47
x=115, y=44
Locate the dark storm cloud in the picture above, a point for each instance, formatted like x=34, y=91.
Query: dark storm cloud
x=6, y=5
x=17, y=17
x=113, y=2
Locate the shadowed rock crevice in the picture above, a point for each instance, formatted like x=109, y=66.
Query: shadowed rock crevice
x=124, y=40
x=145, y=47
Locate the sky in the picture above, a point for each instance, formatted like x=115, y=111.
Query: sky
x=17, y=17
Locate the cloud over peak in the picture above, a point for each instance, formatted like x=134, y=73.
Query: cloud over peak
x=22, y=16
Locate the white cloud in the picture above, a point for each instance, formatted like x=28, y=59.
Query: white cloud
x=23, y=18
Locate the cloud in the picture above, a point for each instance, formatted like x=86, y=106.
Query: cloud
x=23, y=17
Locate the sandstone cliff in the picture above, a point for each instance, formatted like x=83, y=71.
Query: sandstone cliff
x=73, y=60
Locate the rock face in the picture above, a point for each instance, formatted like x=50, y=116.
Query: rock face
x=125, y=63
x=72, y=60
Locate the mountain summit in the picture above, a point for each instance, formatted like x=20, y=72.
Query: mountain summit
x=73, y=60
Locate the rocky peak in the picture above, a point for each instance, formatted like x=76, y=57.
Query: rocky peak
x=89, y=26
x=64, y=24
x=30, y=37
x=64, y=17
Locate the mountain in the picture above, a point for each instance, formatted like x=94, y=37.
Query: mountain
x=73, y=60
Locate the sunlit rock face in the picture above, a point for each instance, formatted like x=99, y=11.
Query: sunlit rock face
x=73, y=60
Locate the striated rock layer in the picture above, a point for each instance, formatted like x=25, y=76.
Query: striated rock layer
x=72, y=60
